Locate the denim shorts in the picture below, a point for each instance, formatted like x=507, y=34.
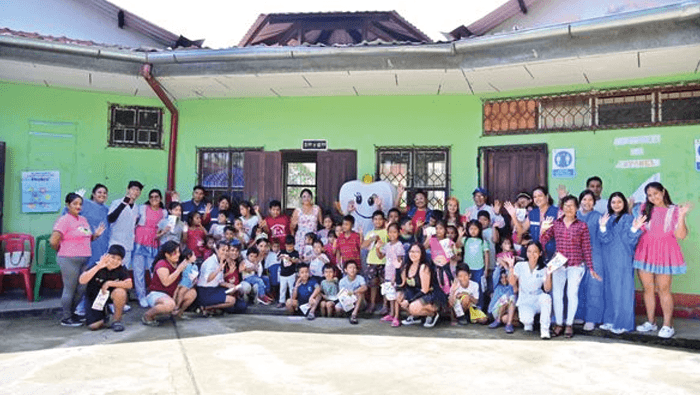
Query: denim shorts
x=153, y=297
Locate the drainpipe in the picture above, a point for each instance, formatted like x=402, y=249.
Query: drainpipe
x=174, y=116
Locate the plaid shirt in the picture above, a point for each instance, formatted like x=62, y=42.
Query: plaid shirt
x=573, y=242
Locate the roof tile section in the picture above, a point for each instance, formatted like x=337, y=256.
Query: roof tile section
x=332, y=29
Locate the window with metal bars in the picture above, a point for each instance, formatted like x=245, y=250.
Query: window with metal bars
x=618, y=108
x=416, y=168
x=136, y=127
x=221, y=171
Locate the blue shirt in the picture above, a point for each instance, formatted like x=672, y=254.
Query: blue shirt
x=534, y=217
x=189, y=206
x=305, y=291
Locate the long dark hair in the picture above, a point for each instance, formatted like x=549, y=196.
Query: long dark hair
x=648, y=207
x=540, y=261
x=167, y=248
x=625, y=207
x=584, y=193
x=407, y=261
x=159, y=195
x=478, y=225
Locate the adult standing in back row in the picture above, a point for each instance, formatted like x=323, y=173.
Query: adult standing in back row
x=198, y=203
x=122, y=218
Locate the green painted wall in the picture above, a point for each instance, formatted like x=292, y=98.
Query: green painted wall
x=28, y=114
x=359, y=123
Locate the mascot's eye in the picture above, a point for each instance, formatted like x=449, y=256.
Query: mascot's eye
x=370, y=201
x=358, y=198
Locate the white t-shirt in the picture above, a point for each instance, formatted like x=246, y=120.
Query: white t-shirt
x=472, y=289
x=208, y=267
x=249, y=224
x=352, y=286
x=316, y=265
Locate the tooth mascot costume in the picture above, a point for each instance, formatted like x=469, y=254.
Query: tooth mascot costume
x=361, y=199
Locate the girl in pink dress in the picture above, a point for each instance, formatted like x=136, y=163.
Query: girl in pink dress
x=658, y=255
x=146, y=243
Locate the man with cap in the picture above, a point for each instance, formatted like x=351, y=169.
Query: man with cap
x=480, y=195
x=122, y=218
x=108, y=275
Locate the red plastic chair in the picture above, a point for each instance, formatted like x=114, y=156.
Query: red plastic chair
x=14, y=242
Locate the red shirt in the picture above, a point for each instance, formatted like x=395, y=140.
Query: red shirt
x=156, y=285
x=279, y=228
x=349, y=247
x=573, y=242
x=195, y=241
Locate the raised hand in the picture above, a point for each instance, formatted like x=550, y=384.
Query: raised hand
x=461, y=232
x=256, y=208
x=351, y=206
x=639, y=222
x=603, y=221
x=207, y=209
x=509, y=260
x=547, y=223
x=175, y=197
x=81, y=192
x=509, y=208
x=100, y=229
x=104, y=260
x=684, y=208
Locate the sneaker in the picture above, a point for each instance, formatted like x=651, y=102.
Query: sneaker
x=463, y=320
x=618, y=331
x=410, y=321
x=667, y=332
x=149, y=322
x=647, y=327
x=71, y=322
x=79, y=318
x=589, y=326
x=396, y=323
x=143, y=303
x=431, y=321
x=127, y=308
x=528, y=328
x=387, y=318
x=578, y=321
x=606, y=327
x=495, y=324
x=509, y=329
x=311, y=316
x=544, y=335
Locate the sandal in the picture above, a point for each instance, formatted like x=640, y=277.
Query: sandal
x=557, y=331
x=353, y=320
x=117, y=326
x=569, y=333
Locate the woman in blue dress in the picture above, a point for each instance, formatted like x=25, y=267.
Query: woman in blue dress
x=619, y=233
x=590, y=294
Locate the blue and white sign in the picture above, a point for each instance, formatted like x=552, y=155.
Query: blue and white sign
x=697, y=154
x=564, y=163
x=41, y=192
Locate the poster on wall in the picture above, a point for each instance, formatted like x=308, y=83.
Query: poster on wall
x=697, y=154
x=41, y=191
x=564, y=163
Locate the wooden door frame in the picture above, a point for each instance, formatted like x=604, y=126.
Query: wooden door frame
x=481, y=157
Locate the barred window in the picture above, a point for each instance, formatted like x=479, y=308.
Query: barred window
x=136, y=127
x=615, y=108
x=417, y=168
x=221, y=171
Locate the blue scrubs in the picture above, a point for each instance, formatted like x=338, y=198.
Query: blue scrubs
x=618, y=244
x=534, y=217
x=591, y=291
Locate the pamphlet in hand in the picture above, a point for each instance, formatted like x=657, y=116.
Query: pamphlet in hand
x=304, y=308
x=100, y=300
x=556, y=262
x=389, y=291
x=172, y=221
x=347, y=299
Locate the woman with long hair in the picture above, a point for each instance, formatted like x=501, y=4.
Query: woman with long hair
x=658, y=256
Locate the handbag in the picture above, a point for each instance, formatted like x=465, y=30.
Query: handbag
x=16, y=260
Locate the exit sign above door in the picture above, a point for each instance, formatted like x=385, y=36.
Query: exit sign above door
x=314, y=145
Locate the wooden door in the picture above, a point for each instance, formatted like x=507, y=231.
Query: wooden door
x=335, y=168
x=2, y=181
x=263, y=177
x=508, y=170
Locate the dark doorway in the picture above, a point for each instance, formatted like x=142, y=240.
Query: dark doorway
x=507, y=170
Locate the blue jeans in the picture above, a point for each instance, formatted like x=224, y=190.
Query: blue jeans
x=274, y=271
x=253, y=280
x=476, y=277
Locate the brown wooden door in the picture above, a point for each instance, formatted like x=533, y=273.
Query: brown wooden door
x=508, y=170
x=334, y=168
x=263, y=177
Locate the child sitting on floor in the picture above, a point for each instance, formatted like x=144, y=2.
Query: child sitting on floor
x=329, y=291
x=189, y=278
x=306, y=294
x=464, y=297
x=502, y=306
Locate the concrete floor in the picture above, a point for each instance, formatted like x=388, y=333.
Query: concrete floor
x=265, y=354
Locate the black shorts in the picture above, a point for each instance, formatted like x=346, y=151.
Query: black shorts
x=92, y=315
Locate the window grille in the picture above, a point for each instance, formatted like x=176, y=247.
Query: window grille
x=136, y=127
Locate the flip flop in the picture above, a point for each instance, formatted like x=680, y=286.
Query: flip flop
x=557, y=331
x=569, y=333
x=353, y=320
